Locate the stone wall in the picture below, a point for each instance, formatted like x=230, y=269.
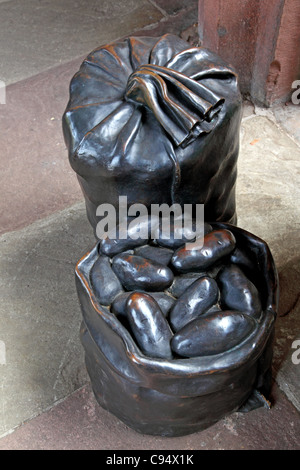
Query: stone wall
x=261, y=39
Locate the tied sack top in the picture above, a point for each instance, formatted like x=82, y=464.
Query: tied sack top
x=156, y=121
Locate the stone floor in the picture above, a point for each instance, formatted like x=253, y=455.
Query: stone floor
x=46, y=400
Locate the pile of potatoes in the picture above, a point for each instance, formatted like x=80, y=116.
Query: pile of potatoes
x=177, y=299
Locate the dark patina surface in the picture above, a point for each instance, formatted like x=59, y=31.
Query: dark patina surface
x=175, y=337
x=166, y=382
x=157, y=121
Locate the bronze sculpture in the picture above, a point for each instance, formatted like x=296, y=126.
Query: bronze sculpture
x=157, y=121
x=168, y=376
x=175, y=338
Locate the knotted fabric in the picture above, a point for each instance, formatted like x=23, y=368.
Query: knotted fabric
x=182, y=106
x=156, y=121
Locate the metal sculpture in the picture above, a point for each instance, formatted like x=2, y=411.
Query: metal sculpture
x=157, y=121
x=174, y=368
x=175, y=337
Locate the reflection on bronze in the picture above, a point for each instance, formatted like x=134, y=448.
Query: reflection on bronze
x=173, y=371
x=157, y=121
x=175, y=338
